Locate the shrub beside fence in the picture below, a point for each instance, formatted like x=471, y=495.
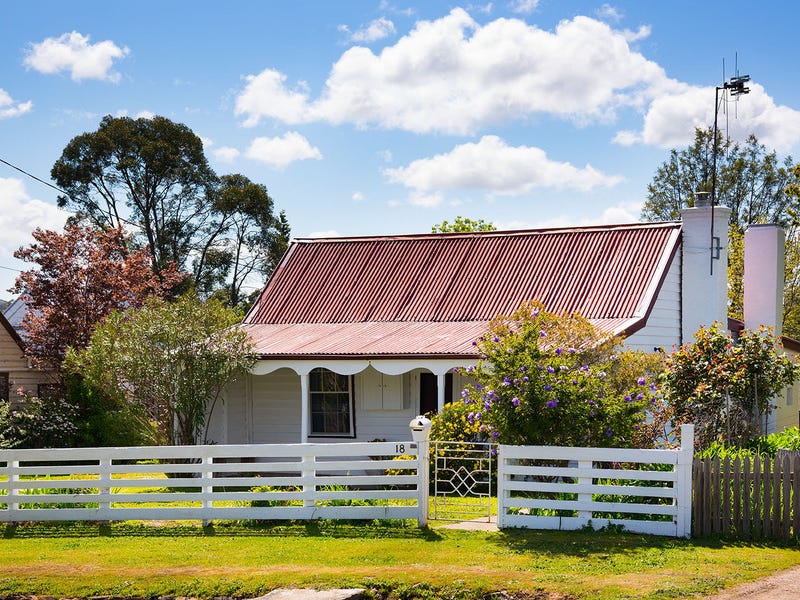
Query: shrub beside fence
x=749, y=498
x=269, y=482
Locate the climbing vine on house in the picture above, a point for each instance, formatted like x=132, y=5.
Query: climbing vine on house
x=546, y=378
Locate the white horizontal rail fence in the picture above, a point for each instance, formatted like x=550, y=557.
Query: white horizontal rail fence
x=269, y=482
x=551, y=487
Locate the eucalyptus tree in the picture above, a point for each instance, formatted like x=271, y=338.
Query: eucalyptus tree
x=751, y=180
x=151, y=176
x=754, y=183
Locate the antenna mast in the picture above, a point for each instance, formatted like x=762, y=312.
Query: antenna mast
x=737, y=88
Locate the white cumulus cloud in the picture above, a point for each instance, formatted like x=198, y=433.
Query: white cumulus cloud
x=226, y=154
x=624, y=212
x=524, y=7
x=493, y=166
x=9, y=108
x=282, y=151
x=72, y=52
x=643, y=32
x=456, y=76
x=372, y=32
x=672, y=118
x=19, y=216
x=423, y=200
x=609, y=13
x=265, y=96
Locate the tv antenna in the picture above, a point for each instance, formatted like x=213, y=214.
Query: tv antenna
x=736, y=86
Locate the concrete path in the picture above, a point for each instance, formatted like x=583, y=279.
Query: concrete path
x=780, y=586
x=480, y=524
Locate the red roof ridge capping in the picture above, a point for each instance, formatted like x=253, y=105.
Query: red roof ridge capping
x=384, y=294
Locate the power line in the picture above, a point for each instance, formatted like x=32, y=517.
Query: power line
x=58, y=189
x=24, y=172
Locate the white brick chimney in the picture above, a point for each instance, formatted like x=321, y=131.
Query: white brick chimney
x=763, y=276
x=705, y=293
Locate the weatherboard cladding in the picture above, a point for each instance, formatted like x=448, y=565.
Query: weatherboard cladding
x=430, y=294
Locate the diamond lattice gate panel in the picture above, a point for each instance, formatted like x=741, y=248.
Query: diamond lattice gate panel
x=464, y=480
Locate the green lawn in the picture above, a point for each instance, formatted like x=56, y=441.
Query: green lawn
x=401, y=560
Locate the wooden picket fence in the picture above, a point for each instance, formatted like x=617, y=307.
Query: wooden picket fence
x=750, y=498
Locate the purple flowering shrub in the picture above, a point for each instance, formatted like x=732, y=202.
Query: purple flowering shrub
x=548, y=379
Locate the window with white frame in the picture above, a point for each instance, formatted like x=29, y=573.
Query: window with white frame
x=331, y=403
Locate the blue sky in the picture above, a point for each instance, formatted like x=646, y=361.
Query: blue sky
x=386, y=117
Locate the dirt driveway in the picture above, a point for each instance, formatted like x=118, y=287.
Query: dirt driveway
x=784, y=585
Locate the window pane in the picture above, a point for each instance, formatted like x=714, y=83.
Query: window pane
x=330, y=411
x=315, y=380
x=3, y=386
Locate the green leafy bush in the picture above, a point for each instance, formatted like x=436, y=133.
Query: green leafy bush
x=788, y=439
x=38, y=423
x=546, y=378
x=725, y=387
x=272, y=503
x=764, y=445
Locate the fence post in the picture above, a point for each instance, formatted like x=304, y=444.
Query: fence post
x=13, y=491
x=309, y=472
x=585, y=515
x=421, y=433
x=104, y=488
x=683, y=520
x=208, y=487
x=501, y=488
x=423, y=470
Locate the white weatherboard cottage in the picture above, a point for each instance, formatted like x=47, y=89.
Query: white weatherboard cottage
x=355, y=336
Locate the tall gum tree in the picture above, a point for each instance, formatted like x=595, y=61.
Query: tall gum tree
x=150, y=175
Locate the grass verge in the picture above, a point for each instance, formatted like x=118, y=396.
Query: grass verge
x=123, y=560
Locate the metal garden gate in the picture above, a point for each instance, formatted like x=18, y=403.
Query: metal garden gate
x=464, y=480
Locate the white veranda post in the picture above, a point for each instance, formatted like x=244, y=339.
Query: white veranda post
x=440, y=392
x=305, y=417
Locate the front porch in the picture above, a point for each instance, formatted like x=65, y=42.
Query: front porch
x=291, y=401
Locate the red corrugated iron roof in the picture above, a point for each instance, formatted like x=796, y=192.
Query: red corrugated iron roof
x=377, y=339
x=401, y=288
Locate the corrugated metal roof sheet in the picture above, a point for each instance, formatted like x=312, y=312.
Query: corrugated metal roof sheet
x=377, y=339
x=609, y=274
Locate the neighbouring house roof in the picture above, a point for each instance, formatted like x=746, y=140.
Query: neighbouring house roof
x=14, y=313
x=432, y=295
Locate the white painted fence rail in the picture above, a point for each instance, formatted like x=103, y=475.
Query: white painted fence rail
x=550, y=487
x=269, y=481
